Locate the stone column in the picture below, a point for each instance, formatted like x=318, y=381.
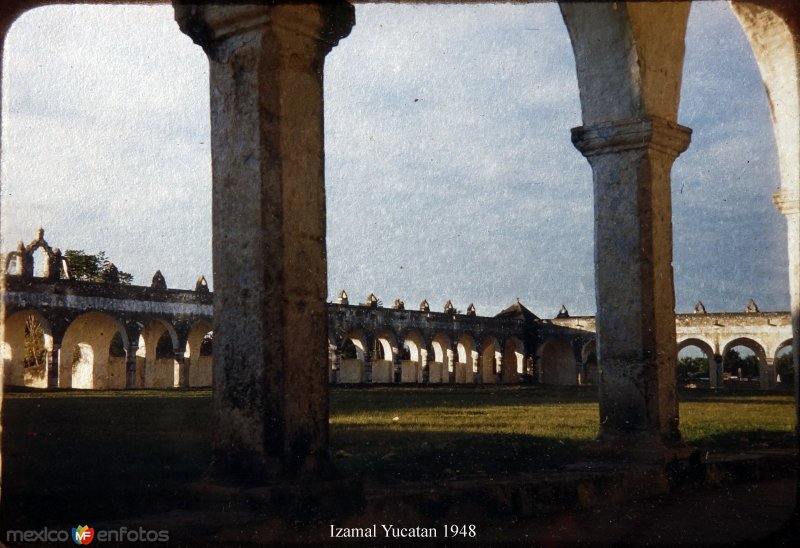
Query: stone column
x=788, y=203
x=631, y=162
x=182, y=378
x=270, y=413
x=366, y=374
x=397, y=365
x=498, y=367
x=52, y=359
x=713, y=371
x=130, y=364
x=450, y=366
x=424, y=372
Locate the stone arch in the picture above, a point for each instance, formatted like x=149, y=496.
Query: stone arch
x=351, y=369
x=707, y=348
x=385, y=352
x=90, y=366
x=513, y=360
x=411, y=368
x=200, y=364
x=785, y=374
x=589, y=362
x=157, y=370
x=14, y=332
x=439, y=366
x=758, y=348
x=557, y=362
x=467, y=359
x=490, y=357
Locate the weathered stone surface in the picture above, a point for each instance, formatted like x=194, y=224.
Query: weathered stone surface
x=267, y=144
x=629, y=60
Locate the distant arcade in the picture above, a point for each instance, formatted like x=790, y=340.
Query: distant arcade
x=104, y=335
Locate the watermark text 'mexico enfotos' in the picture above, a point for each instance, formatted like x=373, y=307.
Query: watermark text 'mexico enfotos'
x=83, y=534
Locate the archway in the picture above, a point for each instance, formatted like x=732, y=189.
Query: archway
x=744, y=360
x=490, y=357
x=591, y=375
x=87, y=360
x=198, y=354
x=411, y=366
x=28, y=342
x=351, y=368
x=784, y=366
x=440, y=367
x=696, y=362
x=383, y=359
x=557, y=363
x=466, y=356
x=513, y=360
x=157, y=345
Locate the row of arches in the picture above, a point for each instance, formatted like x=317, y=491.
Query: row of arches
x=97, y=351
x=359, y=357
x=740, y=359
x=556, y=361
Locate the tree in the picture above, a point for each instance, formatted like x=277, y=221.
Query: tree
x=90, y=268
x=734, y=362
x=690, y=368
x=34, y=342
x=785, y=367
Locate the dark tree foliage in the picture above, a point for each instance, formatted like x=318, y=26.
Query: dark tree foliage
x=692, y=368
x=733, y=362
x=784, y=367
x=349, y=350
x=89, y=268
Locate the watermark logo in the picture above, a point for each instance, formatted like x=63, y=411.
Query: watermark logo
x=82, y=534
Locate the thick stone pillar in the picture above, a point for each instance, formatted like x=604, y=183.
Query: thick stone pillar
x=52, y=359
x=424, y=372
x=270, y=416
x=631, y=162
x=788, y=203
x=130, y=364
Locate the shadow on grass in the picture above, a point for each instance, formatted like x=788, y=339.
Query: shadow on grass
x=72, y=457
x=75, y=457
x=386, y=456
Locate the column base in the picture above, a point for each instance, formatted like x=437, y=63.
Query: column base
x=640, y=448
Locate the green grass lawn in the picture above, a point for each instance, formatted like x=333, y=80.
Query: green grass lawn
x=77, y=456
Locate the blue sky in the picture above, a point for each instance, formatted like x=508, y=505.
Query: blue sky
x=450, y=172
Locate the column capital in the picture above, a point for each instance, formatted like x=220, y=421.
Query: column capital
x=207, y=25
x=630, y=134
x=787, y=202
